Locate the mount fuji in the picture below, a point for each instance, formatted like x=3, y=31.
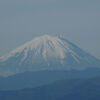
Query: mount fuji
x=47, y=53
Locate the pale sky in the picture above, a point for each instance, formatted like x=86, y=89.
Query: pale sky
x=77, y=20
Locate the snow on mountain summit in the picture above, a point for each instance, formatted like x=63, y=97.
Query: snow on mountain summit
x=46, y=45
x=47, y=53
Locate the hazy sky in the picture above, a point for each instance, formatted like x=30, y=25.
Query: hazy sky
x=77, y=20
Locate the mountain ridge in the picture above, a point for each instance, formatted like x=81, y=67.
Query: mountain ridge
x=80, y=89
x=37, y=79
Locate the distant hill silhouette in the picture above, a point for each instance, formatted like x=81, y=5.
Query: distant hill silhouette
x=74, y=89
x=35, y=79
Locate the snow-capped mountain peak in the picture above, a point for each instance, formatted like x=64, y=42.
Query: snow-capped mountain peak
x=46, y=46
x=48, y=52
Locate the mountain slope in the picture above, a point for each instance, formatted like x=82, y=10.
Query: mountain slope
x=46, y=53
x=40, y=78
x=76, y=89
